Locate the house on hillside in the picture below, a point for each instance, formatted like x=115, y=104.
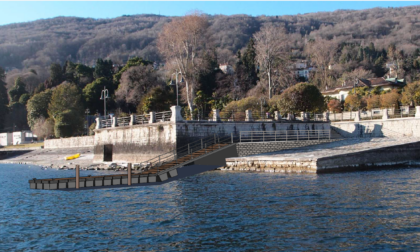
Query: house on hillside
x=341, y=93
x=301, y=69
x=226, y=68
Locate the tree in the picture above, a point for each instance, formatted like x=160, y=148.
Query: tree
x=56, y=74
x=103, y=68
x=373, y=102
x=410, y=94
x=157, y=99
x=24, y=98
x=17, y=91
x=92, y=93
x=4, y=99
x=136, y=61
x=270, y=45
x=321, y=53
x=334, y=105
x=43, y=128
x=66, y=108
x=183, y=42
x=301, y=97
x=135, y=83
x=354, y=102
x=390, y=99
x=37, y=107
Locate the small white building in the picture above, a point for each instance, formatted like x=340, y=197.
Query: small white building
x=18, y=137
x=6, y=139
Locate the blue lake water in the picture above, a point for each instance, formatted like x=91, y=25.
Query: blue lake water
x=215, y=211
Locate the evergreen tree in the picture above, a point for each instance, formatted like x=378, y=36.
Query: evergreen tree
x=56, y=75
x=17, y=91
x=103, y=68
x=249, y=61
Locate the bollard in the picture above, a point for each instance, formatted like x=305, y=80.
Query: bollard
x=77, y=176
x=129, y=174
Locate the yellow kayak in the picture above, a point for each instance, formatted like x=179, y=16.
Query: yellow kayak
x=72, y=157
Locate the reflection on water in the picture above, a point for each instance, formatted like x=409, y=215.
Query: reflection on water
x=220, y=211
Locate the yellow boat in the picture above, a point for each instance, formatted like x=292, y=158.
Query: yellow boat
x=72, y=157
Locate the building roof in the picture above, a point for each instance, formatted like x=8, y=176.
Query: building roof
x=371, y=83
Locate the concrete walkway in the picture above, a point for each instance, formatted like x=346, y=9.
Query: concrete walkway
x=345, y=154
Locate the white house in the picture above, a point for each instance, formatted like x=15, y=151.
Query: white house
x=6, y=139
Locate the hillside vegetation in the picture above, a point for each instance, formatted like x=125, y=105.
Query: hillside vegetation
x=42, y=42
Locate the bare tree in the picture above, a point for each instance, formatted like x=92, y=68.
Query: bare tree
x=321, y=52
x=182, y=42
x=270, y=44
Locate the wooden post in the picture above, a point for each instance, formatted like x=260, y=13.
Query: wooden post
x=77, y=176
x=129, y=173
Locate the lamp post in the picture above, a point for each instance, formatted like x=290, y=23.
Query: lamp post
x=176, y=83
x=87, y=111
x=104, y=96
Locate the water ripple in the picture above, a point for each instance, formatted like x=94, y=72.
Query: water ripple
x=215, y=211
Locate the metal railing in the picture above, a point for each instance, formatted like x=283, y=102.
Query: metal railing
x=163, y=116
x=141, y=119
x=106, y=123
x=123, y=121
x=401, y=113
x=283, y=135
x=214, y=141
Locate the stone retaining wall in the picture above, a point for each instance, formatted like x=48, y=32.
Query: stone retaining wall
x=70, y=142
x=394, y=128
x=247, y=149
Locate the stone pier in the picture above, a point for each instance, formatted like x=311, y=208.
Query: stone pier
x=344, y=155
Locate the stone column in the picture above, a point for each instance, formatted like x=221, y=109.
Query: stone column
x=176, y=114
x=277, y=116
x=357, y=117
x=385, y=114
x=248, y=116
x=152, y=118
x=114, y=122
x=304, y=116
x=98, y=123
x=216, y=115
x=132, y=120
x=417, y=111
x=290, y=117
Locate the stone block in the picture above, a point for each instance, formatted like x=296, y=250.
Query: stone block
x=173, y=173
x=162, y=177
x=82, y=182
x=54, y=185
x=39, y=185
x=99, y=181
x=116, y=180
x=90, y=182
x=107, y=181
x=151, y=178
x=124, y=180
x=143, y=179
x=135, y=179
x=71, y=183
x=46, y=185
x=62, y=184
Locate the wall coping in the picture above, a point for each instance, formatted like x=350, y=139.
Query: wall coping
x=377, y=120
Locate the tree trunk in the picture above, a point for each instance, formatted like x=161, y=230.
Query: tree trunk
x=269, y=83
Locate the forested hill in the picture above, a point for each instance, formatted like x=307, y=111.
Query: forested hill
x=42, y=42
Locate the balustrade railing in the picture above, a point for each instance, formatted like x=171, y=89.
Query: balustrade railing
x=106, y=123
x=141, y=119
x=163, y=116
x=123, y=121
x=283, y=135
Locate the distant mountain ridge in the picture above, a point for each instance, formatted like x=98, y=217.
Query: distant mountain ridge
x=42, y=42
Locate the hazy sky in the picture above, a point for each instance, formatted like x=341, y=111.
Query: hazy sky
x=12, y=12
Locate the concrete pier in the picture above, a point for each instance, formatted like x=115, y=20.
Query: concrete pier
x=344, y=155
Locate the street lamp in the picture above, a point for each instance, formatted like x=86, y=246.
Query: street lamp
x=104, y=96
x=176, y=83
x=87, y=111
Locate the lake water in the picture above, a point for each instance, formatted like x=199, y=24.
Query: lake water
x=215, y=211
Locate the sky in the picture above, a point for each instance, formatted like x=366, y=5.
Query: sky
x=15, y=12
